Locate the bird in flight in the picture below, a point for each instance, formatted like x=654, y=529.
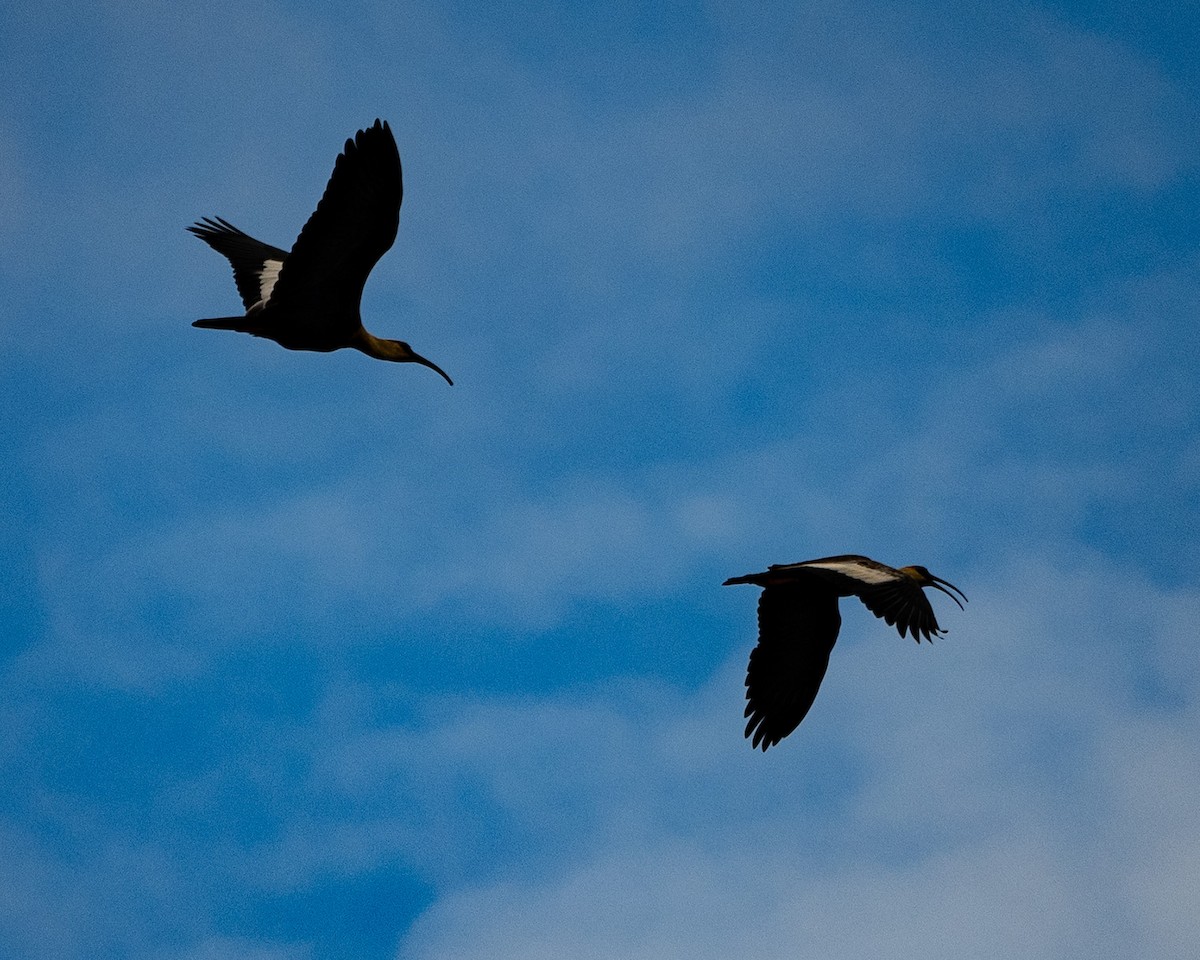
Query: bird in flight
x=309, y=299
x=798, y=623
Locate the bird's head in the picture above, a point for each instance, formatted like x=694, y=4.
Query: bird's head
x=400, y=352
x=926, y=579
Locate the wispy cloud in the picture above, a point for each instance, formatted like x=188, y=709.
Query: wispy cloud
x=307, y=647
x=1013, y=449
x=1009, y=811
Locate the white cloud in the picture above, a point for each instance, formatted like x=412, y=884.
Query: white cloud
x=99, y=892
x=1022, y=788
x=1011, y=788
x=1020, y=443
x=1000, y=795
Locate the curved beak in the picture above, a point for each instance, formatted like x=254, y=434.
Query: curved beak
x=417, y=358
x=937, y=584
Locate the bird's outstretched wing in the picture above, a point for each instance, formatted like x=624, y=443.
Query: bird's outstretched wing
x=797, y=628
x=888, y=593
x=353, y=226
x=904, y=606
x=256, y=264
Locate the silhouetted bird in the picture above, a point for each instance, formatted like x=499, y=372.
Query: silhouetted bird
x=309, y=299
x=798, y=623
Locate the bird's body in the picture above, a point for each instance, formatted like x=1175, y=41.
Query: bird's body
x=798, y=624
x=309, y=299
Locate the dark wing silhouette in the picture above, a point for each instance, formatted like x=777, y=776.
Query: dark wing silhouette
x=798, y=625
x=255, y=264
x=888, y=593
x=354, y=225
x=902, y=604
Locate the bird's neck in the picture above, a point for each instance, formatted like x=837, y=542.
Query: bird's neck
x=380, y=349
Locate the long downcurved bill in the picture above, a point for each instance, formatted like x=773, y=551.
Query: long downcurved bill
x=417, y=358
x=937, y=585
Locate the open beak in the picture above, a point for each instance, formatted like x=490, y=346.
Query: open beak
x=417, y=358
x=937, y=585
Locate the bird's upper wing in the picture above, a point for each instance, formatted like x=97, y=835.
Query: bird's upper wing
x=256, y=264
x=797, y=627
x=889, y=594
x=353, y=226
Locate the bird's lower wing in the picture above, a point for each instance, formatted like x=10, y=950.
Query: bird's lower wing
x=797, y=628
x=904, y=606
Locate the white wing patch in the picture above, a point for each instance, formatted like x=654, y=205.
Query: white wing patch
x=857, y=571
x=267, y=278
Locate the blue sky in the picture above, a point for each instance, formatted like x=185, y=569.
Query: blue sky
x=311, y=657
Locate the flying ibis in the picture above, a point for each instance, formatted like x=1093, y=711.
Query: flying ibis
x=309, y=299
x=798, y=623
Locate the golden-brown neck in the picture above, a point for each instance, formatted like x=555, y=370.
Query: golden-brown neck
x=373, y=346
x=395, y=350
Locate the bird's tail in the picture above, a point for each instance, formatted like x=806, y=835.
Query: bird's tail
x=223, y=323
x=755, y=578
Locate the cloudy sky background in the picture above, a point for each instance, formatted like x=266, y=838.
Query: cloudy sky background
x=311, y=657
